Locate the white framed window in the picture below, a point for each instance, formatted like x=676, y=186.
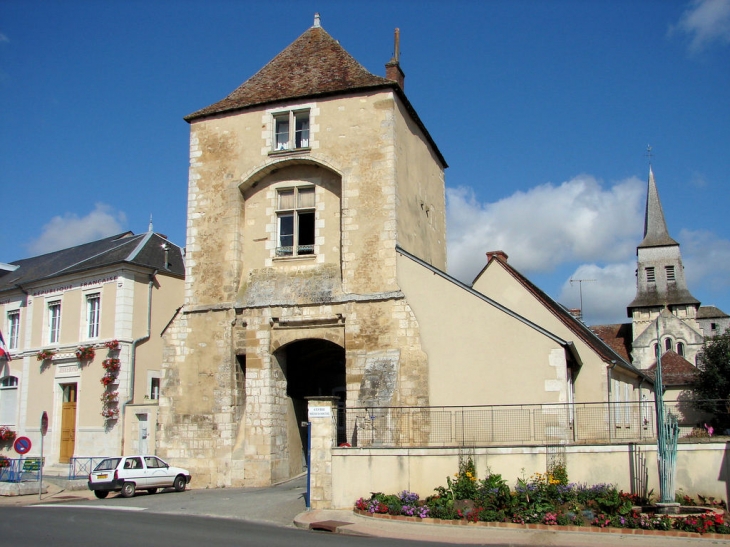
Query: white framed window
x=670, y=273
x=54, y=321
x=93, y=306
x=650, y=275
x=14, y=329
x=295, y=221
x=8, y=400
x=291, y=130
x=153, y=385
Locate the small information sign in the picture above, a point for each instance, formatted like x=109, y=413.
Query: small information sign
x=320, y=411
x=31, y=465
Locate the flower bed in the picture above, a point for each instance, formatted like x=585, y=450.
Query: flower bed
x=543, y=500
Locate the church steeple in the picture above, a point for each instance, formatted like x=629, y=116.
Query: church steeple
x=660, y=281
x=655, y=227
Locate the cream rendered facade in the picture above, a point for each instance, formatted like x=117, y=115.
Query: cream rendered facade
x=133, y=304
x=600, y=375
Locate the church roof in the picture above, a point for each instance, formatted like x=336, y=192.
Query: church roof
x=314, y=65
x=142, y=250
x=655, y=227
x=676, y=370
x=710, y=312
x=617, y=337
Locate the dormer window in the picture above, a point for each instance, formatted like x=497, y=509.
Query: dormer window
x=670, y=273
x=291, y=130
x=295, y=220
x=650, y=277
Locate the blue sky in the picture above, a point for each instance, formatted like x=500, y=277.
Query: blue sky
x=543, y=110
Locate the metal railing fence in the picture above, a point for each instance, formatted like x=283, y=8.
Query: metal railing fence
x=561, y=423
x=20, y=469
x=80, y=467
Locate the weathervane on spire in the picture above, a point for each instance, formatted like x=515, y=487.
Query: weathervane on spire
x=649, y=154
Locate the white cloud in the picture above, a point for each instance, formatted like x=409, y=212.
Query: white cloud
x=706, y=259
x=606, y=290
x=705, y=21
x=4, y=38
x=70, y=230
x=577, y=221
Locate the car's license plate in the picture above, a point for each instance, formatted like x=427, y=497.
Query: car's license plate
x=101, y=476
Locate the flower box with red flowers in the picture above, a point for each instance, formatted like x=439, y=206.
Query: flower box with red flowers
x=85, y=353
x=109, y=379
x=45, y=355
x=111, y=365
x=6, y=434
x=112, y=345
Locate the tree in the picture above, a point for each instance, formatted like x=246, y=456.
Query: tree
x=711, y=389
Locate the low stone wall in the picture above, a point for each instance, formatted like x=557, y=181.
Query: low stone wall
x=702, y=468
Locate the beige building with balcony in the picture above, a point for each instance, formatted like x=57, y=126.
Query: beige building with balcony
x=316, y=252
x=83, y=327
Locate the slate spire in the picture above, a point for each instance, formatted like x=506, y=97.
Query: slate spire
x=655, y=227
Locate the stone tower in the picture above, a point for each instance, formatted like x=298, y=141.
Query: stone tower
x=662, y=295
x=302, y=182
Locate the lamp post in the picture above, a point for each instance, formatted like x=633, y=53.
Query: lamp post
x=667, y=434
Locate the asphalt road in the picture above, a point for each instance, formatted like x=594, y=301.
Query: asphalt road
x=107, y=526
x=274, y=505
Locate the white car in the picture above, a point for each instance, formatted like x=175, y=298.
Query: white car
x=127, y=474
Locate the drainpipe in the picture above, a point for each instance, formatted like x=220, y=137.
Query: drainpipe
x=133, y=361
x=641, y=409
x=611, y=411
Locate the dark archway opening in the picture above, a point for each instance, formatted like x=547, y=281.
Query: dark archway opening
x=314, y=368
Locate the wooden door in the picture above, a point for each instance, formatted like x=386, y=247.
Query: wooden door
x=68, y=423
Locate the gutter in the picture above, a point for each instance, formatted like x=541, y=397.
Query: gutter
x=133, y=362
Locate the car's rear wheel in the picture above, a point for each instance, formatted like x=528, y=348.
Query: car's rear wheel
x=152, y=490
x=128, y=489
x=179, y=484
x=101, y=494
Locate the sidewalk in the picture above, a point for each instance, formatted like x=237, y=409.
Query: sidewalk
x=53, y=492
x=348, y=523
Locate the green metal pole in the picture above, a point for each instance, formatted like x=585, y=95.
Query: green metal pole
x=667, y=432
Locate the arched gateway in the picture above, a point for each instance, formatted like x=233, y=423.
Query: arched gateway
x=311, y=367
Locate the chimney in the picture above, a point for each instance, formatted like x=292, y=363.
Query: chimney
x=575, y=312
x=499, y=255
x=392, y=67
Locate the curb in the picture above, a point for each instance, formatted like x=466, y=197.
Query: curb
x=554, y=528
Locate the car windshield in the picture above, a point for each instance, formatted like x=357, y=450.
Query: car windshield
x=108, y=464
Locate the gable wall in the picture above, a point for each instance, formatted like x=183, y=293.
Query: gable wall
x=477, y=354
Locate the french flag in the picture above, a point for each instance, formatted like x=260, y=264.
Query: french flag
x=4, y=353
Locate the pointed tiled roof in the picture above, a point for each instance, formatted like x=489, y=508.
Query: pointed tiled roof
x=142, y=250
x=314, y=64
x=655, y=227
